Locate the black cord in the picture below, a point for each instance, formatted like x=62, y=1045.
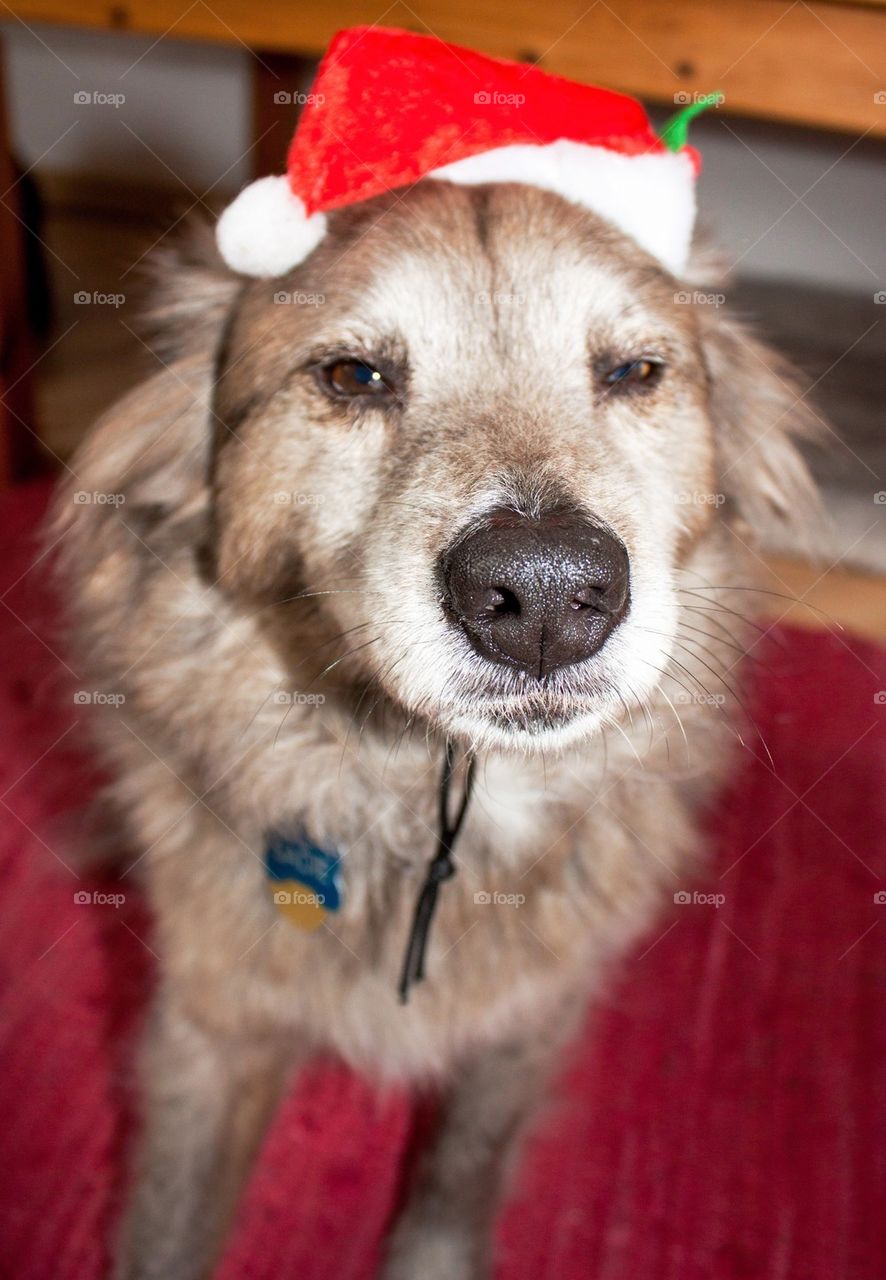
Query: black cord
x=439, y=869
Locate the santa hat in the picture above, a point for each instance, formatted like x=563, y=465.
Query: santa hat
x=389, y=108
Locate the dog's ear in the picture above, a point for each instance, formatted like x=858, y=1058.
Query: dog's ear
x=759, y=416
x=188, y=291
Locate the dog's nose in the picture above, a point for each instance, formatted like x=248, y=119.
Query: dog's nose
x=537, y=594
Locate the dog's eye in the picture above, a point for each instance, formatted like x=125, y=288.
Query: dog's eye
x=351, y=378
x=634, y=372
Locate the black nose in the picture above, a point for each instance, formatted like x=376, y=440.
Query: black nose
x=537, y=594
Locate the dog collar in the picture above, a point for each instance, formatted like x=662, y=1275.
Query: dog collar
x=440, y=868
x=306, y=880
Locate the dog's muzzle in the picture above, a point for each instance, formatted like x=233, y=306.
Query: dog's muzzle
x=536, y=594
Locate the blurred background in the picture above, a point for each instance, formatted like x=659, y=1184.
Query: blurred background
x=121, y=119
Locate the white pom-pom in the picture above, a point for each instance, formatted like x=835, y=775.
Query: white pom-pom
x=266, y=231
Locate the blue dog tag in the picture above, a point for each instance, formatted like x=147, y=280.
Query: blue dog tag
x=305, y=880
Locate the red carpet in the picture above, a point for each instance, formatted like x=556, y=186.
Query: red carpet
x=726, y=1120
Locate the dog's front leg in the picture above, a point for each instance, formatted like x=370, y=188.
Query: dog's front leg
x=206, y=1101
x=446, y=1227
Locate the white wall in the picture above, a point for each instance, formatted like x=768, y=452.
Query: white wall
x=187, y=107
x=753, y=173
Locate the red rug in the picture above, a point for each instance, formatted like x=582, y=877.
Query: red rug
x=726, y=1119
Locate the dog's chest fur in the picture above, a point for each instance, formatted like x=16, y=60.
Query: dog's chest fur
x=552, y=878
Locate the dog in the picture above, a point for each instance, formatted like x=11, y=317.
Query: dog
x=478, y=477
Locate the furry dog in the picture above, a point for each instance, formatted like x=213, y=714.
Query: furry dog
x=478, y=472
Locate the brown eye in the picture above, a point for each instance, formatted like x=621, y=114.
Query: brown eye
x=634, y=372
x=351, y=378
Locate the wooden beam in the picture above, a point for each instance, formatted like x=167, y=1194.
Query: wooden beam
x=816, y=63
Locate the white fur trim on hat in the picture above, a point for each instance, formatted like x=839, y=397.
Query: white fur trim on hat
x=266, y=231
x=651, y=196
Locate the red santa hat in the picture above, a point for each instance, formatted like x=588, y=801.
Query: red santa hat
x=388, y=108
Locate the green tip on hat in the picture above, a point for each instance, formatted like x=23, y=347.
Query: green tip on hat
x=675, y=133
